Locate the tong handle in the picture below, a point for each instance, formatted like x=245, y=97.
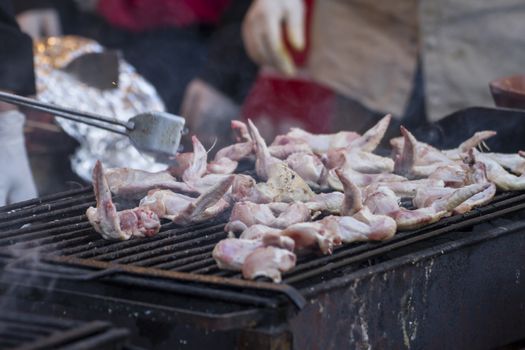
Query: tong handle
x=72, y=114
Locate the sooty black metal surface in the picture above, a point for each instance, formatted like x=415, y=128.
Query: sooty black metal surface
x=21, y=331
x=170, y=281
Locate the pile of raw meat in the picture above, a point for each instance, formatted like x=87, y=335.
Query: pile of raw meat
x=310, y=193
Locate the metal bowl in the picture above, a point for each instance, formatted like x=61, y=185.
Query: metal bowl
x=509, y=91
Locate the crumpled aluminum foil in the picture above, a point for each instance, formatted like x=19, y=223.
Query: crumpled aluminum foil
x=134, y=95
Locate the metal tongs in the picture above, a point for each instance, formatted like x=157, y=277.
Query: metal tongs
x=154, y=133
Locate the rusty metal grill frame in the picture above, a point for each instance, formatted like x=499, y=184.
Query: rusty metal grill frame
x=179, y=259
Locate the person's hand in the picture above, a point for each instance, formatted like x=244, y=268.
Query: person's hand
x=208, y=111
x=39, y=23
x=16, y=180
x=262, y=32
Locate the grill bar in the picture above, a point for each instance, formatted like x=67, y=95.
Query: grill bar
x=165, y=245
x=33, y=332
x=88, y=198
x=15, y=238
x=110, y=247
x=53, y=226
x=48, y=215
x=173, y=260
x=44, y=199
x=233, y=290
x=188, y=263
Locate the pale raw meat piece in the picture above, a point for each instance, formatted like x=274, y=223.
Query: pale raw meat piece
x=278, y=215
x=284, y=151
x=282, y=183
x=182, y=162
x=134, y=184
x=230, y=253
x=264, y=160
x=405, y=189
x=364, y=226
x=321, y=143
x=413, y=154
x=236, y=152
x=333, y=230
x=469, y=144
x=353, y=202
x=330, y=203
x=269, y=235
x=198, y=164
x=245, y=188
x=274, y=239
x=358, y=155
x=294, y=213
x=241, y=131
x=427, y=171
x=283, y=146
x=369, y=141
x=358, y=160
x=477, y=200
x=311, y=236
x=453, y=175
x=131, y=183
x=419, y=160
x=360, y=179
x=504, y=180
x=429, y=154
x=258, y=231
x=427, y=195
x=118, y=225
x=203, y=184
x=246, y=214
x=186, y=210
x=268, y=262
x=222, y=166
x=385, y=202
x=513, y=162
x=308, y=166
x=356, y=221
x=475, y=173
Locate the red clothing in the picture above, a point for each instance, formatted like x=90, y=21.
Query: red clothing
x=290, y=101
x=139, y=15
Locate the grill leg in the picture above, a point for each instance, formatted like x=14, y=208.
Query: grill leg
x=279, y=338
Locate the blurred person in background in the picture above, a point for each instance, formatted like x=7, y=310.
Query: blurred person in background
x=16, y=75
x=419, y=60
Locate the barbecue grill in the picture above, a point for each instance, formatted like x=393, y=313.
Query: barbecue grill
x=437, y=285
x=32, y=332
x=453, y=284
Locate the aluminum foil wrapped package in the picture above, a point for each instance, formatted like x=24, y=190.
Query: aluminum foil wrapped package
x=132, y=96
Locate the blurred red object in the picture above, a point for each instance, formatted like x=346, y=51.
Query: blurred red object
x=139, y=15
x=290, y=102
x=509, y=91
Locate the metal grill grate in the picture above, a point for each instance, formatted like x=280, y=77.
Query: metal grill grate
x=30, y=332
x=56, y=228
